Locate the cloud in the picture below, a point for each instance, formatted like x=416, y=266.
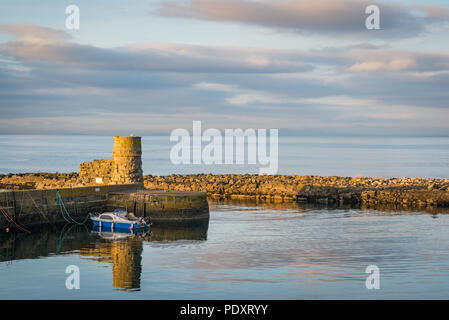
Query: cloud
x=329, y=17
x=241, y=96
x=62, y=86
x=216, y=87
x=30, y=32
x=162, y=57
x=395, y=61
x=435, y=12
x=392, y=65
x=183, y=58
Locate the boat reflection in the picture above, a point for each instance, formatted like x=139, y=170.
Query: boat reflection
x=123, y=250
x=115, y=235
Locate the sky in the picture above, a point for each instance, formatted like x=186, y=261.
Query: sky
x=305, y=67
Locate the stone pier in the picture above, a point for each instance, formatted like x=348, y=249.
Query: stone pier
x=35, y=207
x=102, y=185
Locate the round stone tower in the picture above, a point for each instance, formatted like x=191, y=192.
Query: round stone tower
x=127, y=154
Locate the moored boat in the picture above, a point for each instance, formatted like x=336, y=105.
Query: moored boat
x=118, y=219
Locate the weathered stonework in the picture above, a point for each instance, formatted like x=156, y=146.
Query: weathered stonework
x=103, y=184
x=360, y=191
x=127, y=156
x=406, y=192
x=35, y=207
x=103, y=169
x=124, y=168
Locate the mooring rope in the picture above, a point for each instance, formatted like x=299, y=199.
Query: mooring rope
x=65, y=212
x=38, y=209
x=64, y=234
x=11, y=220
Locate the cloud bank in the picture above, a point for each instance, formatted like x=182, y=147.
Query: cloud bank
x=325, y=17
x=49, y=83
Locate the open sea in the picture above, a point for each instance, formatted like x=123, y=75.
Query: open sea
x=324, y=156
x=247, y=250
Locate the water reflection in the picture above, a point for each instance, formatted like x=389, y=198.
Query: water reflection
x=42, y=242
x=253, y=250
x=123, y=250
x=257, y=204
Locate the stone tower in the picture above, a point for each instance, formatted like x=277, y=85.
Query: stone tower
x=124, y=168
x=127, y=154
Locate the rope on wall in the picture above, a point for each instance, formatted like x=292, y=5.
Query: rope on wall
x=10, y=219
x=65, y=213
x=38, y=209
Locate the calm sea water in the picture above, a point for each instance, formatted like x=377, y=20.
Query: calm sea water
x=342, y=156
x=246, y=250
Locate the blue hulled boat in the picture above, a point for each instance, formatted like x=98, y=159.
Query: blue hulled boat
x=118, y=219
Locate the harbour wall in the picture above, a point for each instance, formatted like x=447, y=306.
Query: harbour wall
x=34, y=207
x=161, y=205
x=333, y=190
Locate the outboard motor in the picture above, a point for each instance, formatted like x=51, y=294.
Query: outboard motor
x=147, y=221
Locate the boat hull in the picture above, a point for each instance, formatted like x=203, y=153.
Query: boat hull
x=118, y=225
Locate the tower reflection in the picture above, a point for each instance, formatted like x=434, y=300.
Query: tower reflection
x=124, y=250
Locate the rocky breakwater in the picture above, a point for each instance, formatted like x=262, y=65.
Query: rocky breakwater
x=229, y=186
x=399, y=192
x=28, y=181
x=369, y=192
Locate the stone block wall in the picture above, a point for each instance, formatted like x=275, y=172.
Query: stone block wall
x=127, y=154
x=34, y=207
x=161, y=206
x=124, y=168
x=97, y=172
